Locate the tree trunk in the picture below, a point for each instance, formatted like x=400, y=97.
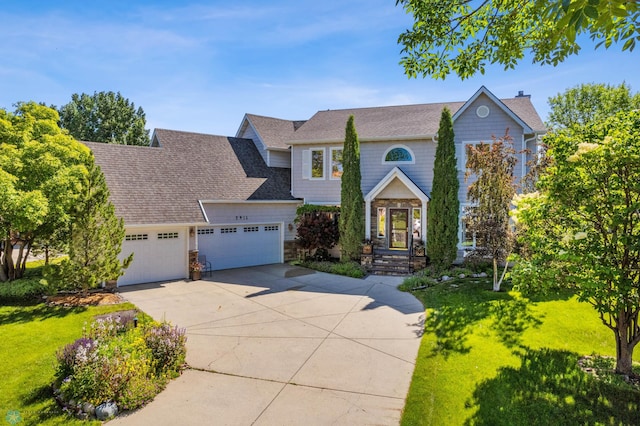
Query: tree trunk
x=496, y=283
x=624, y=349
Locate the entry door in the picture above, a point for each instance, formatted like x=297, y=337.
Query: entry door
x=399, y=228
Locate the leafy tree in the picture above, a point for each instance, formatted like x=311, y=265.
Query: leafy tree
x=96, y=238
x=351, y=222
x=41, y=171
x=317, y=230
x=464, y=36
x=582, y=227
x=104, y=117
x=589, y=103
x=492, y=165
x=444, y=207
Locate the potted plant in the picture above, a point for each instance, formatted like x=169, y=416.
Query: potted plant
x=418, y=248
x=367, y=247
x=196, y=270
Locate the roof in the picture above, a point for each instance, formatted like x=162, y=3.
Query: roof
x=274, y=132
x=161, y=185
x=401, y=122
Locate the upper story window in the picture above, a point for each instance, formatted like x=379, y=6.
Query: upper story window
x=336, y=163
x=313, y=163
x=399, y=154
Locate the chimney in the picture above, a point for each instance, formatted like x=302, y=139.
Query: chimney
x=522, y=95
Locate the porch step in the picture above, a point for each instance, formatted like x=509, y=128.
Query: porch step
x=390, y=263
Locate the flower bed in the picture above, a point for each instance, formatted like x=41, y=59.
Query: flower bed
x=119, y=363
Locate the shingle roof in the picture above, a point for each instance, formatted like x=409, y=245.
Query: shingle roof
x=404, y=121
x=274, y=132
x=153, y=185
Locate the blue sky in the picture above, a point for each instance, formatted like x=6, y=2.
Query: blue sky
x=201, y=66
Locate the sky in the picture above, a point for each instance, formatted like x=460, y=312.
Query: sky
x=200, y=66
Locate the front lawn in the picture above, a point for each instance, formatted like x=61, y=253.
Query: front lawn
x=498, y=359
x=30, y=335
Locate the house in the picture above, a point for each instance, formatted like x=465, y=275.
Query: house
x=233, y=199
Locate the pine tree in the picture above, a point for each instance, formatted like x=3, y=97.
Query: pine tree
x=443, y=210
x=96, y=237
x=351, y=200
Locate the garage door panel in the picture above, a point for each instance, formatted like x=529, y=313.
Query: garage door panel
x=237, y=246
x=161, y=256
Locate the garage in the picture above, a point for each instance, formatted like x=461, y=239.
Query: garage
x=237, y=246
x=159, y=255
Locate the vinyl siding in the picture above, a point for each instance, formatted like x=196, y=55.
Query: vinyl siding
x=241, y=214
x=249, y=133
x=470, y=128
x=372, y=167
x=279, y=159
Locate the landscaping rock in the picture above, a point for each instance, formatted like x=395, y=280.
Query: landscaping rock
x=88, y=408
x=445, y=278
x=106, y=411
x=461, y=276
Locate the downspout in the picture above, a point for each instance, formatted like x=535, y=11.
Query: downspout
x=535, y=136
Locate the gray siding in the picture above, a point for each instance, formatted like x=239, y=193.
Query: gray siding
x=279, y=159
x=470, y=128
x=249, y=133
x=241, y=214
x=326, y=190
x=372, y=166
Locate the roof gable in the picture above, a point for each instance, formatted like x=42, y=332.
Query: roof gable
x=396, y=173
x=272, y=132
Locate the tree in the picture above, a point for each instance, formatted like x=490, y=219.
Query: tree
x=351, y=222
x=96, y=238
x=104, y=117
x=582, y=227
x=492, y=165
x=444, y=207
x=589, y=103
x=464, y=36
x=41, y=171
x=318, y=231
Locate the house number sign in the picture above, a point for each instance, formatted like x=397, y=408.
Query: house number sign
x=242, y=217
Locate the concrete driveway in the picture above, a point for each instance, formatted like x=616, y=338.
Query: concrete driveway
x=283, y=345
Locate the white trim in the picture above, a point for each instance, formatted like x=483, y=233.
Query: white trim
x=163, y=225
x=409, y=150
x=393, y=174
x=399, y=174
x=323, y=203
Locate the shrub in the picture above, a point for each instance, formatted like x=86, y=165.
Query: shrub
x=115, y=362
x=167, y=345
x=22, y=289
x=76, y=354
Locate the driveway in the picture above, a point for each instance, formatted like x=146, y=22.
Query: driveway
x=283, y=345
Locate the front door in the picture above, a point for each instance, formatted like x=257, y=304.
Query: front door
x=399, y=220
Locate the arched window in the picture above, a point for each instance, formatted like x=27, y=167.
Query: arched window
x=399, y=154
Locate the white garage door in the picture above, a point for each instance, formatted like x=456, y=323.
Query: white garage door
x=158, y=255
x=237, y=246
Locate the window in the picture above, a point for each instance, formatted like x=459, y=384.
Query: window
x=317, y=164
x=470, y=240
x=271, y=228
x=167, y=235
x=136, y=237
x=228, y=230
x=399, y=154
x=206, y=231
x=251, y=228
x=417, y=224
x=336, y=163
x=382, y=222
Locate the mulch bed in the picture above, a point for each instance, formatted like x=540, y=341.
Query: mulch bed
x=91, y=299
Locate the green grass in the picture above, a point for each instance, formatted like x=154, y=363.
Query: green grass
x=30, y=335
x=497, y=359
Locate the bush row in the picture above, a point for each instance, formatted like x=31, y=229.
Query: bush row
x=114, y=361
